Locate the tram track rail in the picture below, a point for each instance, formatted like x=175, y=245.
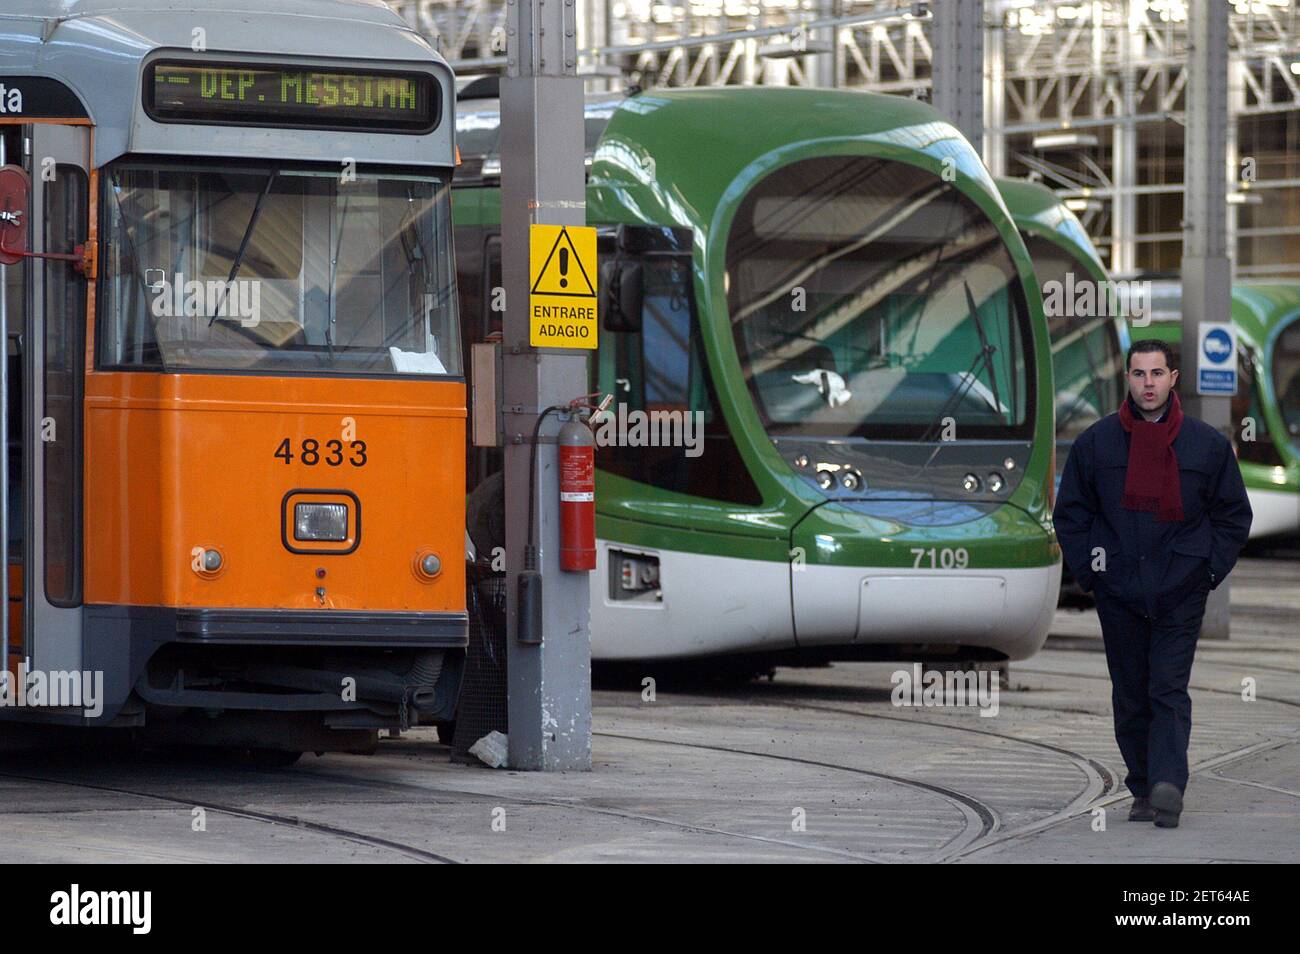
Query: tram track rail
x=1088, y=644
x=1102, y=789
x=1062, y=817
x=980, y=818
x=1106, y=678
x=517, y=800
x=1099, y=783
x=269, y=818
x=1101, y=780
x=975, y=823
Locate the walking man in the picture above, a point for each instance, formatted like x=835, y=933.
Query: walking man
x=1151, y=515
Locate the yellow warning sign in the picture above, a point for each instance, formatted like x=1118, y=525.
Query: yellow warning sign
x=562, y=286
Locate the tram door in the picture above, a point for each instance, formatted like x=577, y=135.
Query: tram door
x=47, y=348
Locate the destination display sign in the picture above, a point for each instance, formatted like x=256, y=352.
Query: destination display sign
x=294, y=96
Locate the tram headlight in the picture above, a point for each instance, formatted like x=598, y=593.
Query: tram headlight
x=970, y=483
x=825, y=480
x=996, y=483
x=320, y=521
x=850, y=480
x=1009, y=464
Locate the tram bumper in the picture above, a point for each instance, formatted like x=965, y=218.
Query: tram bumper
x=998, y=613
x=348, y=670
x=1275, y=512
x=985, y=589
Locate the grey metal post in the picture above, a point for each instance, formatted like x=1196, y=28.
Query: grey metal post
x=825, y=65
x=995, y=101
x=542, y=182
x=958, y=44
x=1236, y=103
x=593, y=35
x=1124, y=154
x=1206, y=266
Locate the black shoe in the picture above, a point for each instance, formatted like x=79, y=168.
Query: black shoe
x=1168, y=804
x=1141, y=810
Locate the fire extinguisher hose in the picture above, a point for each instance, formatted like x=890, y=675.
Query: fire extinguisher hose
x=530, y=551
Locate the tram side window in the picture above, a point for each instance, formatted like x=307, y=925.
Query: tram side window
x=65, y=212
x=1248, y=412
x=664, y=395
x=1286, y=379
x=1086, y=358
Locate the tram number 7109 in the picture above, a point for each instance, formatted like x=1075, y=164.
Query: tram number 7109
x=945, y=558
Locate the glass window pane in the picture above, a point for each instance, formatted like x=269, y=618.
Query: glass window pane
x=869, y=298
x=331, y=274
x=1246, y=406
x=1286, y=378
x=64, y=325
x=661, y=371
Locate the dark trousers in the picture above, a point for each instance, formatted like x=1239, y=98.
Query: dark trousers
x=1150, y=662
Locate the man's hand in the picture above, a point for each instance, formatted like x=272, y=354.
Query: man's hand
x=1230, y=517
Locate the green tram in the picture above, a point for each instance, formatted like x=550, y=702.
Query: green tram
x=1087, y=349
x=1266, y=316
x=829, y=282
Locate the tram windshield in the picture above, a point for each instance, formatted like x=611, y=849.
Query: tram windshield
x=278, y=270
x=1086, y=357
x=1286, y=378
x=868, y=298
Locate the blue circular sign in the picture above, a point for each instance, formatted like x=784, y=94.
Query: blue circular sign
x=1218, y=346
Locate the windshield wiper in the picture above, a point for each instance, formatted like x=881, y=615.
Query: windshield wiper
x=243, y=244
x=933, y=271
x=986, y=348
x=985, y=355
x=968, y=382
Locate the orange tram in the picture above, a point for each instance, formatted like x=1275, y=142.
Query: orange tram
x=234, y=420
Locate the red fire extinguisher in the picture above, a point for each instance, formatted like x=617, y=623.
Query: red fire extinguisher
x=577, y=448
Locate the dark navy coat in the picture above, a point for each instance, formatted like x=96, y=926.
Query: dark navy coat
x=1149, y=564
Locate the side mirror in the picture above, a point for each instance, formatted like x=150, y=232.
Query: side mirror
x=622, y=285
x=15, y=196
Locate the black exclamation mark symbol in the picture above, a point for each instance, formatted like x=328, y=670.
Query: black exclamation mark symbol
x=564, y=267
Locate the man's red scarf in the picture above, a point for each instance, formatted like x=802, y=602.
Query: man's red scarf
x=1151, y=482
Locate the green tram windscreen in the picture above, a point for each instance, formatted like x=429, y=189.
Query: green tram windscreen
x=292, y=96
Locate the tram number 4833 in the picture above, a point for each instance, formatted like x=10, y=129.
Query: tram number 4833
x=945, y=558
x=333, y=454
